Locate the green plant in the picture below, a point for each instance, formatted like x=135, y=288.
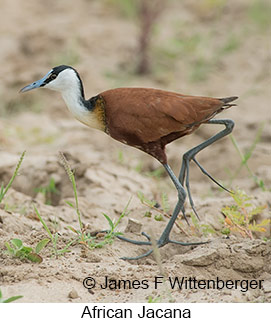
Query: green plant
x=157, y=299
x=145, y=201
x=108, y=236
x=127, y=8
x=157, y=173
x=246, y=156
x=10, y=299
x=138, y=168
x=70, y=174
x=239, y=217
x=54, y=237
x=201, y=229
x=260, y=12
x=232, y=43
x=84, y=237
x=120, y=157
x=152, y=204
x=113, y=225
x=165, y=203
x=48, y=191
x=3, y=189
x=17, y=249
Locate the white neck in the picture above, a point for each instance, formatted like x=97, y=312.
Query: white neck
x=69, y=85
x=72, y=98
x=74, y=103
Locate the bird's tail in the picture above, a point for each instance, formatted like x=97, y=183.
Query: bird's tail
x=227, y=101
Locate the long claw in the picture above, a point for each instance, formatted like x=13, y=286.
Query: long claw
x=138, y=257
x=185, y=217
x=140, y=243
x=146, y=235
x=211, y=178
x=189, y=243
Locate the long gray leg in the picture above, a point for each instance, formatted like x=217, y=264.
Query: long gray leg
x=164, y=238
x=179, y=206
x=184, y=173
x=190, y=155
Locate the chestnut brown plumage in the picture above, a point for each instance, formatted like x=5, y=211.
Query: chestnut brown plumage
x=147, y=119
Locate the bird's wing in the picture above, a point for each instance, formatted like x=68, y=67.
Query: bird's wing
x=188, y=110
x=149, y=114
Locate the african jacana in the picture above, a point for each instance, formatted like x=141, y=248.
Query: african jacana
x=147, y=119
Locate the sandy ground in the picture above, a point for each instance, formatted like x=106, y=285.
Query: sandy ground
x=100, y=42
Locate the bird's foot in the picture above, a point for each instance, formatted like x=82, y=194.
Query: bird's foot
x=156, y=244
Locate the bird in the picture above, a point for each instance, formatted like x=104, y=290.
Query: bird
x=147, y=119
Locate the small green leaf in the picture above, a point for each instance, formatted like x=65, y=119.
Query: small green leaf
x=158, y=217
x=41, y=245
x=165, y=203
x=143, y=199
x=11, y=299
x=10, y=250
x=206, y=229
x=141, y=196
x=226, y=231
x=70, y=204
x=43, y=223
x=17, y=243
x=147, y=214
x=118, y=233
x=111, y=224
x=265, y=222
x=26, y=250
x=247, y=205
x=72, y=229
x=34, y=257
x=262, y=186
x=257, y=210
x=2, y=190
x=195, y=221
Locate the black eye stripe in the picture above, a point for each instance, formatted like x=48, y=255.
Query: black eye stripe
x=50, y=78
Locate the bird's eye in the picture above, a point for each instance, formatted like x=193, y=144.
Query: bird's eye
x=53, y=76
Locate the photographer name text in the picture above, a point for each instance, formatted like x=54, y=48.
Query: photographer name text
x=191, y=283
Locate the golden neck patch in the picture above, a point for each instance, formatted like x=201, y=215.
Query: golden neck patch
x=99, y=111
